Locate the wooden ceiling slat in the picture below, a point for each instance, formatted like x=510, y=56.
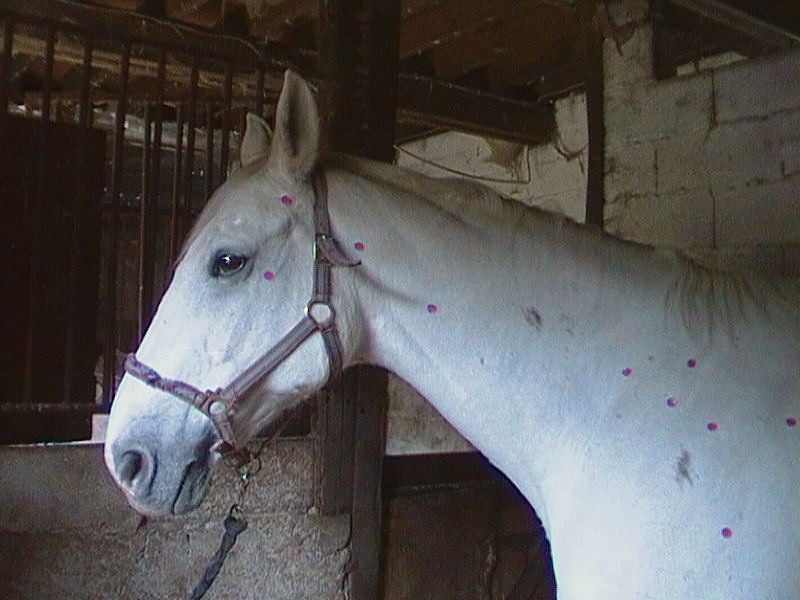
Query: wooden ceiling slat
x=277, y=16
x=498, y=40
x=427, y=102
x=449, y=19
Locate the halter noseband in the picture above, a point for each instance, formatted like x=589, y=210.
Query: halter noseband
x=318, y=315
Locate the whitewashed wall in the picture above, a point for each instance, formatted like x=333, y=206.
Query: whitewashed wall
x=708, y=162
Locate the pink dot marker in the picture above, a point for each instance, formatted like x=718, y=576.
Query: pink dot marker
x=269, y=275
x=691, y=363
x=726, y=532
x=432, y=308
x=287, y=200
x=711, y=426
x=672, y=402
x=627, y=371
x=791, y=421
x=359, y=246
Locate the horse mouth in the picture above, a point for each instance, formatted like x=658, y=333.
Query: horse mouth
x=192, y=489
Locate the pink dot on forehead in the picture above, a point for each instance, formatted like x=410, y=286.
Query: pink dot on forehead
x=791, y=421
x=432, y=308
x=727, y=532
x=286, y=200
x=691, y=363
x=672, y=402
x=359, y=246
x=627, y=371
x=269, y=275
x=712, y=426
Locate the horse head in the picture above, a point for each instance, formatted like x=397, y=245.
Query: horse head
x=252, y=278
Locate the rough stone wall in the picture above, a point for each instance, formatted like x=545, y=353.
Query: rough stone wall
x=66, y=532
x=708, y=162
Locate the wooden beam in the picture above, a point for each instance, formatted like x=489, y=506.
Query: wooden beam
x=445, y=20
x=358, y=71
x=498, y=39
x=595, y=120
x=743, y=22
x=139, y=29
x=428, y=102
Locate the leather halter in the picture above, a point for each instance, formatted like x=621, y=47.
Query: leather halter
x=318, y=315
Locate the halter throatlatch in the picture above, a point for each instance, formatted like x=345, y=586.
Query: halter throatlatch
x=318, y=316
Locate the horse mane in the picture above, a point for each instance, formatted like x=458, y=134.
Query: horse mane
x=468, y=201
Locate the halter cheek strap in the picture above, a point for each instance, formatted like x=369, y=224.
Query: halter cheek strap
x=318, y=315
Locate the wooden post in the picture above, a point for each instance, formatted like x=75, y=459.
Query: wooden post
x=358, y=71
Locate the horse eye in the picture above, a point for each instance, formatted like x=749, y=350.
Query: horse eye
x=226, y=264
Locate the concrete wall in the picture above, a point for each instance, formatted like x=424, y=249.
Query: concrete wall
x=708, y=162
x=66, y=532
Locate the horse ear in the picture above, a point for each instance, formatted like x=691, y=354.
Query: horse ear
x=297, y=125
x=255, y=143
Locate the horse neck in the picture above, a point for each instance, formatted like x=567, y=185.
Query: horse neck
x=463, y=308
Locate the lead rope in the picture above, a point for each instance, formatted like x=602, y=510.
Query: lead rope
x=246, y=464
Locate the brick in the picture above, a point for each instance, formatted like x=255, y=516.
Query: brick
x=677, y=220
x=682, y=163
x=750, y=152
x=757, y=88
x=670, y=108
x=630, y=168
x=628, y=65
x=766, y=213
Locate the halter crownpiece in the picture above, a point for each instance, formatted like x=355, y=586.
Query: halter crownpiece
x=318, y=315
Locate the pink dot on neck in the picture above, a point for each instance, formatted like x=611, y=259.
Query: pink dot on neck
x=287, y=200
x=627, y=371
x=712, y=426
x=672, y=402
x=791, y=421
x=432, y=308
x=727, y=532
x=691, y=363
x=269, y=275
x=359, y=246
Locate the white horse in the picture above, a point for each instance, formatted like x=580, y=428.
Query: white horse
x=644, y=405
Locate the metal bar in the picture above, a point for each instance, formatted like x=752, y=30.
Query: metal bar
x=209, y=170
x=133, y=27
x=188, y=188
x=741, y=21
x=5, y=65
x=35, y=408
x=258, y=105
x=174, y=220
x=148, y=224
x=226, y=122
x=35, y=290
x=85, y=110
x=145, y=289
x=110, y=345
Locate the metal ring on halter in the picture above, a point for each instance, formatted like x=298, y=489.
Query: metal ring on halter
x=322, y=313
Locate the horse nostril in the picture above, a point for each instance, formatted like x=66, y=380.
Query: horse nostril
x=131, y=466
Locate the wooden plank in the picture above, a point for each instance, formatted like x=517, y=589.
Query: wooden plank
x=772, y=33
x=530, y=29
x=358, y=88
x=449, y=19
x=428, y=102
x=595, y=181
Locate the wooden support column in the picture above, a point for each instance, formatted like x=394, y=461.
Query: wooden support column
x=358, y=90
x=595, y=181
